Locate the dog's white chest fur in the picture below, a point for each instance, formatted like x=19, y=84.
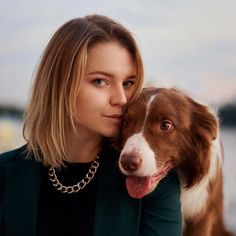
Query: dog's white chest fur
x=194, y=200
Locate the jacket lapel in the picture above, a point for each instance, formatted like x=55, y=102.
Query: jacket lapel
x=23, y=178
x=116, y=213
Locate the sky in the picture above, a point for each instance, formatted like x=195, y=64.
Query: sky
x=190, y=44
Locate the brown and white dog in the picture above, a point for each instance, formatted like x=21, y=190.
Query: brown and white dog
x=165, y=129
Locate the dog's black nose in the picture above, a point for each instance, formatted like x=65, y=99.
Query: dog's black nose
x=130, y=162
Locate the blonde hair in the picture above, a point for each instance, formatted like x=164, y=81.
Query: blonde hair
x=57, y=81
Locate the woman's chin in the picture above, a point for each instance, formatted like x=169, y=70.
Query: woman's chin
x=111, y=133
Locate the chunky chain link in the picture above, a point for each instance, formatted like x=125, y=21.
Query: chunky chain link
x=77, y=187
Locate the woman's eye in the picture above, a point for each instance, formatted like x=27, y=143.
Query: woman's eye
x=128, y=84
x=166, y=125
x=99, y=82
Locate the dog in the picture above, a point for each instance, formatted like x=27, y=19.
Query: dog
x=165, y=129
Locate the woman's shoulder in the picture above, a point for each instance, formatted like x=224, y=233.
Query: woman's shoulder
x=170, y=180
x=168, y=188
x=13, y=155
x=170, y=183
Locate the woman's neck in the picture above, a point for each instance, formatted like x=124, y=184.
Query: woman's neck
x=83, y=148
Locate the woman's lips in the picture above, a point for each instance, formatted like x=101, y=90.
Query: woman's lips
x=116, y=118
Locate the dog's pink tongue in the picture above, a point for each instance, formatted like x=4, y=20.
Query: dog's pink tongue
x=138, y=186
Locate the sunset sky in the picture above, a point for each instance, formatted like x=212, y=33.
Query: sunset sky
x=187, y=44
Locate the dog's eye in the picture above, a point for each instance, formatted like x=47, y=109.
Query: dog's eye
x=166, y=125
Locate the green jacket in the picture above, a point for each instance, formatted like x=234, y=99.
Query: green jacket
x=116, y=213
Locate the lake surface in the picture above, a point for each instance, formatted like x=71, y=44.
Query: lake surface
x=228, y=136
x=11, y=137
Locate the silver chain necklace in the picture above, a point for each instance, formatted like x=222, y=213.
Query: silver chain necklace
x=77, y=187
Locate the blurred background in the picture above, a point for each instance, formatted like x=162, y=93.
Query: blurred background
x=190, y=45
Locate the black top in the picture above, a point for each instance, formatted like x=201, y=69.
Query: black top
x=115, y=213
x=67, y=214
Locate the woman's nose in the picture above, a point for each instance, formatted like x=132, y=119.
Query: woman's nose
x=119, y=97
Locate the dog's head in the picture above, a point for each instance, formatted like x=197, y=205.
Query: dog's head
x=165, y=129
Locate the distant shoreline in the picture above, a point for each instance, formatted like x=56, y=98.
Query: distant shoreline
x=227, y=114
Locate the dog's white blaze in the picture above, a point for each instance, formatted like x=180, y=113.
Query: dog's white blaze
x=147, y=111
x=137, y=143
x=194, y=200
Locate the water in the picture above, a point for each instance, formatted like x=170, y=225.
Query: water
x=11, y=137
x=229, y=166
x=10, y=133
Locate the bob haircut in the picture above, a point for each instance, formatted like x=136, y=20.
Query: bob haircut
x=51, y=109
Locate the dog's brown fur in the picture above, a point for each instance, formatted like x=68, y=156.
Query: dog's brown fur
x=189, y=144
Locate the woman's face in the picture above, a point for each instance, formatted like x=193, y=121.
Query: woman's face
x=106, y=87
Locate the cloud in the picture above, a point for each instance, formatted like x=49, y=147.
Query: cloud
x=216, y=91
x=182, y=42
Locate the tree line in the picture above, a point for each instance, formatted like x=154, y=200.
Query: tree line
x=227, y=113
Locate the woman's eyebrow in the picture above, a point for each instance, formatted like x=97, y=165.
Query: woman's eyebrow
x=101, y=73
x=132, y=77
x=110, y=74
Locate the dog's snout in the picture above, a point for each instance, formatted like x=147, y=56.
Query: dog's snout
x=130, y=162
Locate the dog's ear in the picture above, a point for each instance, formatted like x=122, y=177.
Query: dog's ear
x=204, y=121
x=203, y=130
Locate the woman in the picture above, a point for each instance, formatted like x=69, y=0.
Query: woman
x=65, y=180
